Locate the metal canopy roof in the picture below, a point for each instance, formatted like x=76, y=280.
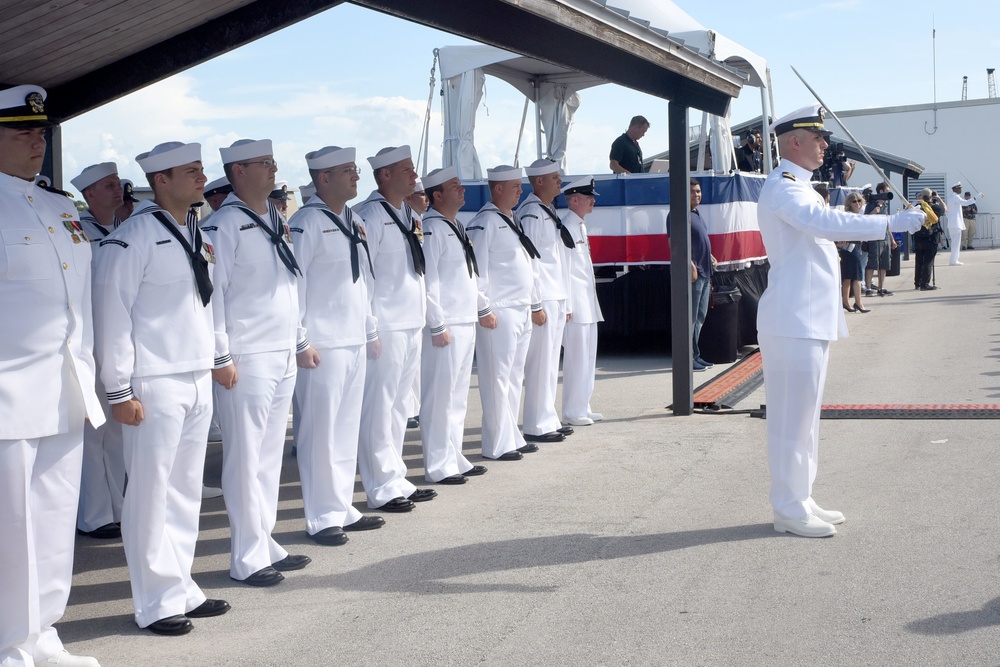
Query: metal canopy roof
x=89, y=53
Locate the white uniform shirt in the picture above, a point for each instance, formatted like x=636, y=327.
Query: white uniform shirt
x=553, y=263
x=508, y=277
x=334, y=310
x=95, y=231
x=46, y=359
x=955, y=204
x=398, y=300
x=255, y=302
x=583, y=287
x=452, y=294
x=802, y=299
x=149, y=318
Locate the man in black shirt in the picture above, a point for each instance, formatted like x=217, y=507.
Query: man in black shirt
x=626, y=156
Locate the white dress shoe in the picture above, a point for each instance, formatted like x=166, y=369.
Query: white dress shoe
x=830, y=516
x=596, y=416
x=579, y=421
x=208, y=492
x=66, y=659
x=810, y=526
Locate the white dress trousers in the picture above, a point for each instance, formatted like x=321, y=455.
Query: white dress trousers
x=165, y=458
x=388, y=381
x=328, y=401
x=254, y=418
x=446, y=373
x=38, y=488
x=102, y=486
x=579, y=367
x=794, y=377
x=500, y=358
x=541, y=370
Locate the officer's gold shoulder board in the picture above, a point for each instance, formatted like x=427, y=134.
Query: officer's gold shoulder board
x=788, y=175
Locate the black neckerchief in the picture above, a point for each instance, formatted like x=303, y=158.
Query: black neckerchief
x=463, y=238
x=525, y=241
x=567, y=238
x=353, y=235
x=416, y=251
x=198, y=262
x=100, y=227
x=284, y=252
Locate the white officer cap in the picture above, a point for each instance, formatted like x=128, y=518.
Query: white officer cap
x=92, y=174
x=806, y=118
x=330, y=156
x=246, y=149
x=540, y=167
x=389, y=155
x=23, y=107
x=583, y=186
x=439, y=176
x=307, y=192
x=218, y=187
x=957, y=185
x=504, y=172
x=168, y=155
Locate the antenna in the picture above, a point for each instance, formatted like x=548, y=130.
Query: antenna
x=965, y=88
x=934, y=60
x=991, y=81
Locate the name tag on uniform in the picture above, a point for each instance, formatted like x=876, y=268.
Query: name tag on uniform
x=163, y=242
x=331, y=231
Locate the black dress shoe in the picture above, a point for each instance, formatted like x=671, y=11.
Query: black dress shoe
x=400, y=504
x=508, y=456
x=928, y=288
x=209, y=608
x=528, y=449
x=453, y=479
x=329, y=537
x=475, y=471
x=423, y=495
x=367, y=522
x=565, y=430
x=171, y=626
x=552, y=436
x=262, y=578
x=106, y=532
x=290, y=562
x=413, y=422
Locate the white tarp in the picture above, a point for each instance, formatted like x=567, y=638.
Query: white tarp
x=554, y=89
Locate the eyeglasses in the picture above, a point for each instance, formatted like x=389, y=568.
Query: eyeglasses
x=267, y=163
x=347, y=170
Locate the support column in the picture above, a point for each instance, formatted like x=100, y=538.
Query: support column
x=681, y=329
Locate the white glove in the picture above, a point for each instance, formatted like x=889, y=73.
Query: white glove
x=909, y=220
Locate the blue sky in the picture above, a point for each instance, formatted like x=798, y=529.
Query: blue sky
x=351, y=76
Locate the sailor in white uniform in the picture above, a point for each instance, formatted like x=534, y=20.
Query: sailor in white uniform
x=335, y=314
x=956, y=222
x=554, y=244
x=799, y=313
x=450, y=334
x=46, y=385
x=418, y=203
x=580, y=336
x=509, y=305
x=102, y=488
x=155, y=345
x=398, y=301
x=256, y=332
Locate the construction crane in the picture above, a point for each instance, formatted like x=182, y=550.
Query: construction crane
x=965, y=88
x=991, y=81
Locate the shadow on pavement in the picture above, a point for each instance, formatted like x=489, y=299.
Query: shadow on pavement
x=959, y=621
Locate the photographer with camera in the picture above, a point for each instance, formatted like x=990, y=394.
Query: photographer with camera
x=925, y=243
x=836, y=168
x=749, y=156
x=879, y=252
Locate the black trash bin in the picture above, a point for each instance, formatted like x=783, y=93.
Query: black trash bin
x=719, y=342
